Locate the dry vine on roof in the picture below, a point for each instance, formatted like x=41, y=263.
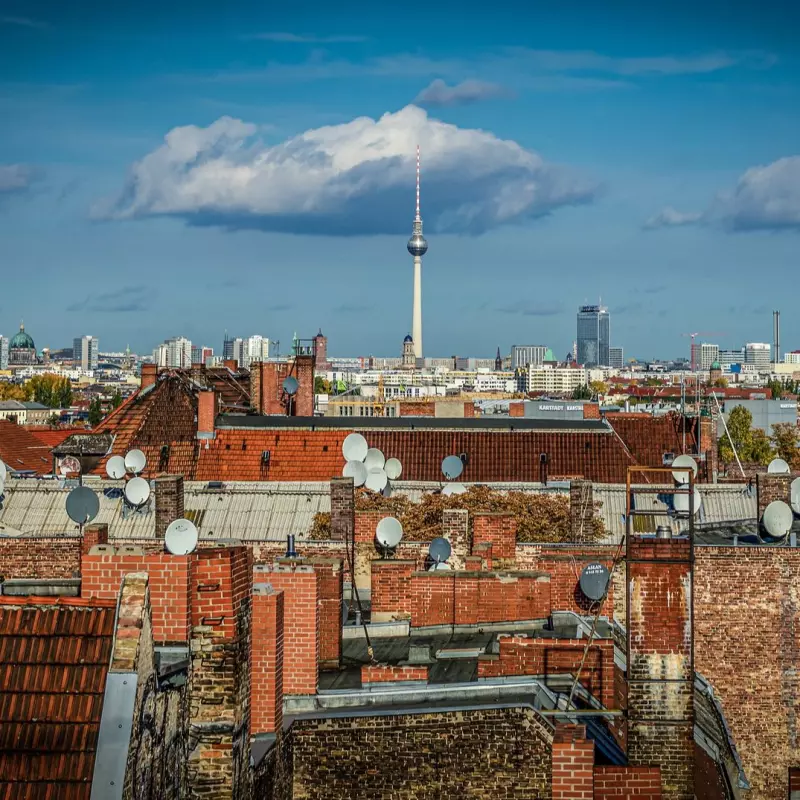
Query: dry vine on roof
x=540, y=517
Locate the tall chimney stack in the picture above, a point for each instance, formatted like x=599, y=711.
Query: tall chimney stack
x=776, y=338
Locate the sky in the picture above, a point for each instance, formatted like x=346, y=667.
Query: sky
x=190, y=168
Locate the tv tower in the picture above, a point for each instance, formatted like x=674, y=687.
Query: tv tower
x=417, y=246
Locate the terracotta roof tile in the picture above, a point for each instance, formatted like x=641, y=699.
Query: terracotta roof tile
x=52, y=437
x=54, y=656
x=22, y=451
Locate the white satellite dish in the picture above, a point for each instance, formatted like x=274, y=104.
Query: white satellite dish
x=681, y=501
x=376, y=480
x=389, y=532
x=777, y=520
x=454, y=488
x=438, y=565
x=795, y=495
x=137, y=491
x=374, y=459
x=354, y=447
x=115, y=468
x=682, y=476
x=3, y=471
x=181, y=537
x=452, y=467
x=393, y=469
x=778, y=467
x=355, y=470
x=135, y=461
x=2, y=486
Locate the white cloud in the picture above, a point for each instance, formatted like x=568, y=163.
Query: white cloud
x=15, y=177
x=349, y=179
x=294, y=38
x=764, y=198
x=438, y=93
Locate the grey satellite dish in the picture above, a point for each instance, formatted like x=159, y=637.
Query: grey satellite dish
x=115, y=467
x=777, y=521
x=354, y=447
x=594, y=580
x=438, y=566
x=83, y=505
x=454, y=488
x=452, y=467
x=389, y=532
x=439, y=549
x=682, y=476
x=355, y=470
x=795, y=495
x=137, y=491
x=681, y=501
x=135, y=461
x=3, y=471
x=374, y=459
x=290, y=385
x=2, y=486
x=393, y=468
x=181, y=537
x=778, y=467
x=376, y=480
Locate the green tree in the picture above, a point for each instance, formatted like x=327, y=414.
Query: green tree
x=752, y=445
x=785, y=440
x=95, y=411
x=12, y=391
x=53, y=420
x=50, y=390
x=582, y=392
x=116, y=400
x=321, y=385
x=720, y=383
x=776, y=387
x=760, y=450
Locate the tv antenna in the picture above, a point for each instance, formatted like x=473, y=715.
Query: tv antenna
x=681, y=500
x=3, y=471
x=115, y=468
x=368, y=466
x=135, y=461
x=454, y=488
x=777, y=522
x=355, y=470
x=181, y=537
x=374, y=459
x=355, y=447
x=393, y=469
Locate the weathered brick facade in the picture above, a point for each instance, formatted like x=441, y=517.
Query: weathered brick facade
x=500, y=531
x=331, y=588
x=266, y=660
x=342, y=509
x=391, y=589
x=168, y=501
x=40, y=556
x=455, y=528
x=388, y=673
x=573, y=764
x=621, y=783
x=771, y=487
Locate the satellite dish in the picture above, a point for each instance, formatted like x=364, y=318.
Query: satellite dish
x=3, y=471
x=69, y=464
x=115, y=467
x=2, y=486
x=439, y=549
x=354, y=447
x=437, y=566
x=355, y=470
x=778, y=467
x=795, y=495
x=452, y=467
x=83, y=505
x=389, y=532
x=454, y=488
x=777, y=521
x=135, y=461
x=682, y=476
x=290, y=385
x=594, y=580
x=681, y=501
x=374, y=459
x=181, y=537
x=393, y=469
x=137, y=491
x=376, y=480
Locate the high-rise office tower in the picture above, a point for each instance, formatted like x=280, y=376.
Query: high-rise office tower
x=594, y=335
x=85, y=351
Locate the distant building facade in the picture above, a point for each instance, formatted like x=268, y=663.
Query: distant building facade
x=526, y=355
x=3, y=352
x=558, y=380
x=174, y=352
x=21, y=349
x=85, y=350
x=594, y=336
x=321, y=351
x=758, y=354
x=728, y=357
x=409, y=358
x=707, y=355
x=202, y=354
x=616, y=357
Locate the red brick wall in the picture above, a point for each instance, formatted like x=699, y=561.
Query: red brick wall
x=303, y=405
x=330, y=610
x=573, y=764
x=772, y=487
x=498, y=529
x=300, y=586
x=221, y=582
x=266, y=662
x=469, y=409
x=342, y=509
x=366, y=523
x=523, y=656
x=40, y=556
x=384, y=673
x=207, y=409
x=416, y=409
x=391, y=587
x=94, y=534
x=591, y=411
x=149, y=375
x=626, y=782
x=516, y=409
x=455, y=528
x=479, y=597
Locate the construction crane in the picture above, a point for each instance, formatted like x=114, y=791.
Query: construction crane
x=692, y=351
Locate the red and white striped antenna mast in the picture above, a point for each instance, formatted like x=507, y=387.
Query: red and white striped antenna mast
x=417, y=215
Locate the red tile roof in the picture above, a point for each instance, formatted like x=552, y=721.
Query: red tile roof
x=21, y=450
x=54, y=657
x=52, y=437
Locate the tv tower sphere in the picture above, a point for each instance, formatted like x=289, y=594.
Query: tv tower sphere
x=417, y=245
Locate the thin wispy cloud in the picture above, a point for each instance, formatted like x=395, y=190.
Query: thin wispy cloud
x=294, y=38
x=126, y=299
x=670, y=217
x=23, y=22
x=438, y=93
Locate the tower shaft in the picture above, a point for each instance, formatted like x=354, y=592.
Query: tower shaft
x=416, y=322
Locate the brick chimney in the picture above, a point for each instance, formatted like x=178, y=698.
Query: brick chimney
x=169, y=501
x=303, y=404
x=342, y=509
x=95, y=533
x=266, y=660
x=149, y=375
x=770, y=487
x=207, y=410
x=231, y=363
x=256, y=384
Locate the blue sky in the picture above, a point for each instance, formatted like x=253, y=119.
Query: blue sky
x=186, y=168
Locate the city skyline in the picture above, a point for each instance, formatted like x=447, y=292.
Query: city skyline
x=558, y=158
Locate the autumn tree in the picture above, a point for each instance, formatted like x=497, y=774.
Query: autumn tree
x=12, y=391
x=321, y=385
x=598, y=388
x=752, y=445
x=785, y=440
x=50, y=390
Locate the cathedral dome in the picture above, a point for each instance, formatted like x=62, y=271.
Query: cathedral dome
x=22, y=340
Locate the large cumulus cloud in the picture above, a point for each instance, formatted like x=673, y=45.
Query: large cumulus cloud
x=349, y=179
x=764, y=198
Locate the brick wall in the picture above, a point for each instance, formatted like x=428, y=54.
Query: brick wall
x=573, y=763
x=40, y=556
x=330, y=574
x=303, y=405
x=520, y=655
x=96, y=533
x=516, y=409
x=391, y=589
x=300, y=586
x=643, y=783
x=455, y=528
x=266, y=660
x=367, y=523
x=342, y=509
x=660, y=676
x=168, y=501
x=416, y=409
x=478, y=597
x=591, y=411
x=502, y=752
x=581, y=509
x=747, y=617
x=770, y=487
x=207, y=410
x=149, y=375
x=386, y=673
x=499, y=530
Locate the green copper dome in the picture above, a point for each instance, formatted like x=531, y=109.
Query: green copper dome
x=22, y=341
x=716, y=365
